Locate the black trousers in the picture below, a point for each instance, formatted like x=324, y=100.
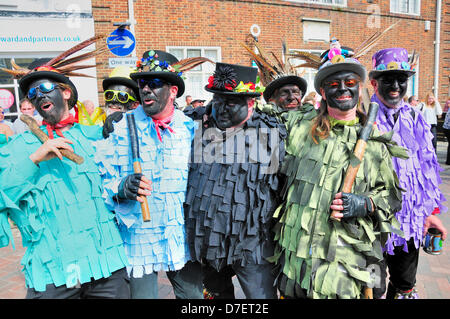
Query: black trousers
x=447, y=135
x=257, y=281
x=402, y=268
x=116, y=286
x=434, y=132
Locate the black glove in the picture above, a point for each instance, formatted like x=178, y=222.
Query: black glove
x=108, y=126
x=356, y=205
x=129, y=186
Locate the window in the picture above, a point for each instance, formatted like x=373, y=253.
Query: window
x=341, y=3
x=413, y=82
x=12, y=85
x=316, y=30
x=197, y=78
x=307, y=73
x=406, y=6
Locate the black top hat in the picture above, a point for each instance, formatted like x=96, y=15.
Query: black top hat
x=158, y=64
x=228, y=77
x=45, y=72
x=283, y=80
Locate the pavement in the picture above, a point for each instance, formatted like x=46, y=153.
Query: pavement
x=433, y=277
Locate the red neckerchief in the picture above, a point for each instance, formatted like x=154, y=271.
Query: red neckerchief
x=50, y=128
x=164, y=123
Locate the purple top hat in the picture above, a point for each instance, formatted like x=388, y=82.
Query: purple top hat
x=390, y=60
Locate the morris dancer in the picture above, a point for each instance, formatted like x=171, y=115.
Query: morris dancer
x=74, y=249
x=418, y=175
x=165, y=135
x=232, y=192
x=317, y=257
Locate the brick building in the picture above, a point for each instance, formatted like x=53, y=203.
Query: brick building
x=215, y=28
x=196, y=26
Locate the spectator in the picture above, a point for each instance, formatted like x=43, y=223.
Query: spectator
x=431, y=110
x=27, y=108
x=88, y=114
x=447, y=105
x=415, y=103
x=312, y=98
x=2, y=118
x=446, y=129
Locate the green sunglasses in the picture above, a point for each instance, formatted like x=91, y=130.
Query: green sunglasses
x=121, y=96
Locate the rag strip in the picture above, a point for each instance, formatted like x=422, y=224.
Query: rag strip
x=50, y=128
x=164, y=123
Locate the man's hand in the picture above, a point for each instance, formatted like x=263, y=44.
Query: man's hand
x=433, y=221
x=133, y=186
x=49, y=150
x=108, y=126
x=351, y=205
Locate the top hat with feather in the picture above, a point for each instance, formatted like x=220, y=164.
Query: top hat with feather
x=165, y=66
x=59, y=68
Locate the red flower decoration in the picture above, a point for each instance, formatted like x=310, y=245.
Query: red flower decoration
x=210, y=82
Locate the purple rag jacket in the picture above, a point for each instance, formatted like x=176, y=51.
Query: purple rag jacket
x=418, y=175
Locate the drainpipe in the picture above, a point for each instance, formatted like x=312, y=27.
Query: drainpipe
x=437, y=43
x=132, y=22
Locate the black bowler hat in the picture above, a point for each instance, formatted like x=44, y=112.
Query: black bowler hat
x=159, y=64
x=284, y=80
x=233, y=79
x=39, y=71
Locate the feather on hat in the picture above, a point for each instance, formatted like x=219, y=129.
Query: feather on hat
x=274, y=72
x=58, y=68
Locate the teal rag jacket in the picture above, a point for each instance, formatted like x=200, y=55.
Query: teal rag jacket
x=69, y=234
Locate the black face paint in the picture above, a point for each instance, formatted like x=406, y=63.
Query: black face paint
x=392, y=88
x=116, y=105
x=342, y=90
x=228, y=110
x=288, y=97
x=154, y=100
x=51, y=105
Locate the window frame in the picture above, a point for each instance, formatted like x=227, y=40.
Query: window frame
x=205, y=95
x=310, y=87
x=319, y=2
x=391, y=9
x=15, y=84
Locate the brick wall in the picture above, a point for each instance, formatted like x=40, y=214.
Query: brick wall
x=227, y=23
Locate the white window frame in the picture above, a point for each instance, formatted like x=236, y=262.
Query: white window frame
x=15, y=84
x=410, y=12
x=413, y=81
x=313, y=20
x=312, y=72
x=205, y=95
x=322, y=2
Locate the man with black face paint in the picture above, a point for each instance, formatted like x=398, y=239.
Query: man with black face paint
x=284, y=88
x=164, y=136
x=120, y=92
x=74, y=249
x=318, y=257
x=233, y=187
x=418, y=175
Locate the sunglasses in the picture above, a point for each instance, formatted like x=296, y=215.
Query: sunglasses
x=348, y=83
x=45, y=87
x=122, y=97
x=152, y=83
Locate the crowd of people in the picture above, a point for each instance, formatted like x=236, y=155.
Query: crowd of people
x=236, y=187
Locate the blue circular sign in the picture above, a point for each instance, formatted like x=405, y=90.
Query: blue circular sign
x=121, y=42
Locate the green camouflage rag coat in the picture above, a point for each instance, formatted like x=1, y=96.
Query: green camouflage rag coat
x=329, y=259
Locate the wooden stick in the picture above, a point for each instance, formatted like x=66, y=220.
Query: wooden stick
x=134, y=144
x=34, y=128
